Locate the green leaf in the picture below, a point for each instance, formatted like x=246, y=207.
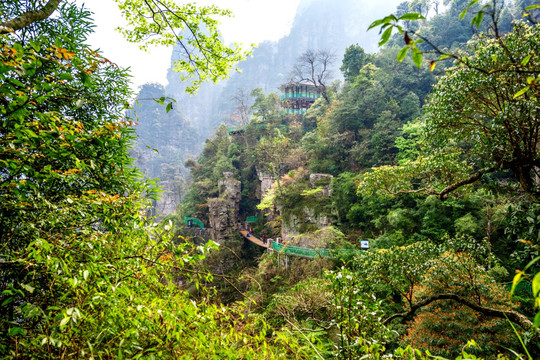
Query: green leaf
x=387, y=20
x=16, y=331
x=525, y=61
x=35, y=46
x=537, y=320
x=376, y=23
x=64, y=322
x=536, y=285
x=532, y=7
x=521, y=92
x=477, y=20
x=85, y=79
x=463, y=13
x=417, y=57
x=402, y=53
x=516, y=280
x=385, y=36
x=28, y=288
x=66, y=76
x=411, y=16
x=169, y=107
x=16, y=82
x=31, y=133
x=7, y=301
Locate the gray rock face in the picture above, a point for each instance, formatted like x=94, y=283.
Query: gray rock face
x=292, y=227
x=323, y=180
x=266, y=183
x=223, y=211
x=169, y=199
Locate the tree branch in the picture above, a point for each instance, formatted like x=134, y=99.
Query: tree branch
x=511, y=315
x=444, y=193
x=29, y=17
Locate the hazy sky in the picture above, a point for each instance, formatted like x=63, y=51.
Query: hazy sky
x=254, y=22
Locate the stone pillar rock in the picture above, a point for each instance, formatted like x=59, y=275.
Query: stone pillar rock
x=223, y=211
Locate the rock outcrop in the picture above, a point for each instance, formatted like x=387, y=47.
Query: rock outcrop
x=223, y=211
x=309, y=220
x=324, y=181
x=266, y=182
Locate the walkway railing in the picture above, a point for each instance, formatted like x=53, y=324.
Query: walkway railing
x=299, y=251
x=311, y=253
x=193, y=221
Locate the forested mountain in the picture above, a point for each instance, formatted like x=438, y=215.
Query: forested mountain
x=428, y=151
x=318, y=25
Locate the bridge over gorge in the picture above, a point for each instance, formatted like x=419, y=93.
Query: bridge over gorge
x=298, y=251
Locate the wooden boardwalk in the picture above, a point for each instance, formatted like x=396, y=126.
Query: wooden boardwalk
x=254, y=239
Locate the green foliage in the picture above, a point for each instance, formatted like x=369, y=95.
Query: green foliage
x=217, y=157
x=522, y=274
x=359, y=128
x=301, y=203
x=265, y=108
x=353, y=61
x=409, y=144
x=164, y=22
x=467, y=224
x=490, y=138
x=432, y=174
x=356, y=316
x=307, y=302
x=480, y=123
x=424, y=243
x=272, y=152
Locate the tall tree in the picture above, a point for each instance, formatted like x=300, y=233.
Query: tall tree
x=313, y=66
x=353, y=61
x=482, y=116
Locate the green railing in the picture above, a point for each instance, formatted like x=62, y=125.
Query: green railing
x=236, y=128
x=296, y=95
x=252, y=219
x=312, y=253
x=194, y=221
x=296, y=111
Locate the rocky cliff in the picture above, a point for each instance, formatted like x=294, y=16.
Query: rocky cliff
x=223, y=210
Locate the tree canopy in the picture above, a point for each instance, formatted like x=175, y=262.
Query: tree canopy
x=481, y=118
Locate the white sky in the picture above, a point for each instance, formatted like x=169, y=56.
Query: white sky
x=254, y=21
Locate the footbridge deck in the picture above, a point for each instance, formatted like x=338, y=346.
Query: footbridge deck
x=299, y=251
